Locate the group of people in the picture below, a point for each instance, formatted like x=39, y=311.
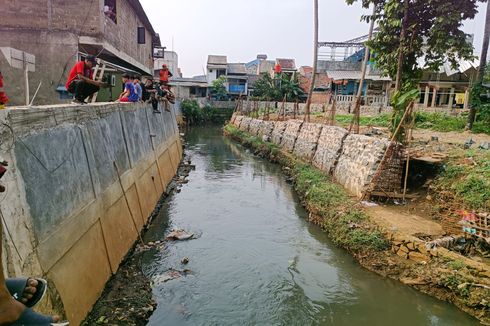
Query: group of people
x=82, y=85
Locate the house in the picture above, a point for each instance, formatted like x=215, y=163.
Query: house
x=253, y=67
x=216, y=67
x=323, y=84
x=61, y=32
x=237, y=79
x=189, y=88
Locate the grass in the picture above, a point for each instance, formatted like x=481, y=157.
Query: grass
x=467, y=179
x=424, y=120
x=348, y=227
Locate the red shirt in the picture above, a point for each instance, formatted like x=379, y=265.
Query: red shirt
x=78, y=68
x=164, y=74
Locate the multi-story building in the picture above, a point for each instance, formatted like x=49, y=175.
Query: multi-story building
x=58, y=33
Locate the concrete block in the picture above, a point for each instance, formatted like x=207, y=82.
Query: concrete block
x=84, y=269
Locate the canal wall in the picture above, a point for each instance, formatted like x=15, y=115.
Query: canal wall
x=82, y=182
x=352, y=160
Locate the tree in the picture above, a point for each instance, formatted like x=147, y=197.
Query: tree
x=288, y=88
x=476, y=90
x=218, y=88
x=409, y=30
x=315, y=60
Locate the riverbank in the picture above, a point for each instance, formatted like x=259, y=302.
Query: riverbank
x=437, y=272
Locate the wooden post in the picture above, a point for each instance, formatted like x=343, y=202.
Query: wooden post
x=434, y=96
x=26, y=78
x=315, y=61
x=426, y=97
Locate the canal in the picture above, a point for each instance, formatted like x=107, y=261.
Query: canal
x=257, y=261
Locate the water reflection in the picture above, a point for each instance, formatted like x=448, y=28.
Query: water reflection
x=258, y=262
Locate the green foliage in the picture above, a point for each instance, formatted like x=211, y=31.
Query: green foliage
x=456, y=265
x=267, y=88
x=468, y=183
x=401, y=101
x=218, y=88
x=194, y=115
x=433, y=29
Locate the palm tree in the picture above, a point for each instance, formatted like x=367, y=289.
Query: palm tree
x=483, y=64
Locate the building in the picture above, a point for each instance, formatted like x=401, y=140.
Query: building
x=60, y=32
x=288, y=66
x=169, y=58
x=189, y=88
x=323, y=85
x=216, y=67
x=237, y=80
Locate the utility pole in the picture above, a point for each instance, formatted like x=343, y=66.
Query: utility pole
x=315, y=61
x=483, y=65
x=357, y=109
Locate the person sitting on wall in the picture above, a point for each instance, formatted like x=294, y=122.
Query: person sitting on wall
x=137, y=87
x=129, y=94
x=166, y=96
x=151, y=96
x=165, y=74
x=80, y=80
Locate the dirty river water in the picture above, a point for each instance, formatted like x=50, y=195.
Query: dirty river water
x=257, y=261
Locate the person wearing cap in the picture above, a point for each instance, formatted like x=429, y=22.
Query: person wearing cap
x=80, y=80
x=165, y=74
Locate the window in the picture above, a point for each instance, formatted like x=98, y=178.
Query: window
x=141, y=35
x=220, y=72
x=110, y=10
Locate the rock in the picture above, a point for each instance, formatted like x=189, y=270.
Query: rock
x=434, y=138
x=179, y=235
x=185, y=260
x=404, y=249
x=434, y=252
x=417, y=257
x=413, y=281
x=485, y=146
x=402, y=253
x=411, y=246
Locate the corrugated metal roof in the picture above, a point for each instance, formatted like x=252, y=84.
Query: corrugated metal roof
x=237, y=69
x=217, y=60
x=463, y=66
x=353, y=75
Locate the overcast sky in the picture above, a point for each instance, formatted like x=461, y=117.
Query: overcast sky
x=241, y=29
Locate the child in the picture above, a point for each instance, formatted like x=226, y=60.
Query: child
x=129, y=94
x=137, y=87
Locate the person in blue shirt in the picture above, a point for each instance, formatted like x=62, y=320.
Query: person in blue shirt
x=137, y=87
x=129, y=93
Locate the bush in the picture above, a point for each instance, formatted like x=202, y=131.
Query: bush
x=194, y=115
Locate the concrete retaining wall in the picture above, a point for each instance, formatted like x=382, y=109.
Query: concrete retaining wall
x=65, y=208
x=351, y=159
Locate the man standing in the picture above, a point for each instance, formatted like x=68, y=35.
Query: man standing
x=80, y=80
x=165, y=74
x=137, y=87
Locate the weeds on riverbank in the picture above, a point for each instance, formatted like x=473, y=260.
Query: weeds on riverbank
x=465, y=180
x=328, y=203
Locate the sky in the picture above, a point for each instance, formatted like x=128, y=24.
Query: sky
x=241, y=29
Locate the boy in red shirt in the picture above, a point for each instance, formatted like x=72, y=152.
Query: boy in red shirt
x=80, y=80
x=3, y=97
x=165, y=74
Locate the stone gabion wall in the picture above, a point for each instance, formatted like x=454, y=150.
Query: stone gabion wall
x=351, y=159
x=306, y=143
x=245, y=124
x=265, y=129
x=329, y=148
x=254, y=127
x=279, y=127
x=238, y=121
x=358, y=162
x=290, y=134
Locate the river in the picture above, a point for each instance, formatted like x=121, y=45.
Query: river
x=257, y=261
